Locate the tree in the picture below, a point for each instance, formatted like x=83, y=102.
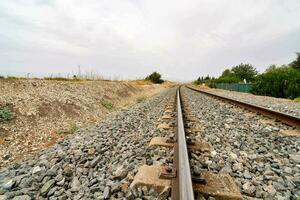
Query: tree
x=154, y=78
x=207, y=78
x=244, y=71
x=271, y=68
x=227, y=73
x=296, y=63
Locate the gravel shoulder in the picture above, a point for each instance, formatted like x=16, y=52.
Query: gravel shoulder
x=277, y=104
x=46, y=111
x=264, y=162
x=94, y=163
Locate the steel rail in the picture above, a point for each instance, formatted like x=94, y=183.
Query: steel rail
x=285, y=118
x=184, y=180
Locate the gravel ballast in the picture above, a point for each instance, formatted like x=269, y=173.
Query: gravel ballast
x=277, y=104
x=94, y=163
x=264, y=163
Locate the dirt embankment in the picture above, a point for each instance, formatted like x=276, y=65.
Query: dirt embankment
x=45, y=111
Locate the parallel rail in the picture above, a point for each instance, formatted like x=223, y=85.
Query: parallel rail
x=182, y=187
x=284, y=118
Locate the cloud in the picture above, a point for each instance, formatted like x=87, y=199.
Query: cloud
x=131, y=38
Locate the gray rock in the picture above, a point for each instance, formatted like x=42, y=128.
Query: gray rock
x=270, y=190
x=115, y=188
x=61, y=183
x=226, y=169
x=247, y=174
x=22, y=197
x=52, y=191
x=8, y=184
x=120, y=173
x=36, y=170
x=95, y=161
x=262, y=149
x=288, y=170
x=47, y=186
x=75, y=185
x=233, y=156
x=3, y=197
x=68, y=171
x=278, y=186
x=237, y=167
x=295, y=158
x=106, y=192
x=59, y=177
x=98, y=196
x=249, y=189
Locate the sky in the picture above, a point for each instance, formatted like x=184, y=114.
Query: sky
x=128, y=39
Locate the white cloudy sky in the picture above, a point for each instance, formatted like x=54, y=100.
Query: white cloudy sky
x=131, y=38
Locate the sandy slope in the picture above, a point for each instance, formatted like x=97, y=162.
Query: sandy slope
x=47, y=110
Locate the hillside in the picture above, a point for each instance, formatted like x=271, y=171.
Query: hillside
x=45, y=110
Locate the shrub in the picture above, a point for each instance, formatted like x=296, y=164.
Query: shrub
x=71, y=130
x=61, y=79
x=154, y=78
x=2, y=77
x=12, y=77
x=6, y=114
x=281, y=82
x=140, y=99
x=107, y=104
x=297, y=99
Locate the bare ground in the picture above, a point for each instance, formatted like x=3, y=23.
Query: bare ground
x=45, y=111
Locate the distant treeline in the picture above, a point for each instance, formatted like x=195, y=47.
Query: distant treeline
x=277, y=81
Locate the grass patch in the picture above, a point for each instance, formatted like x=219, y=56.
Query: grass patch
x=140, y=99
x=107, y=104
x=297, y=99
x=12, y=77
x=6, y=114
x=71, y=130
x=61, y=79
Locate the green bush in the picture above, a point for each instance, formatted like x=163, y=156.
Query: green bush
x=2, y=77
x=228, y=79
x=107, y=104
x=281, y=82
x=6, y=114
x=154, y=78
x=12, y=77
x=297, y=99
x=140, y=99
x=71, y=130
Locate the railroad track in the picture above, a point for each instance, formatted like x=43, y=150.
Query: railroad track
x=199, y=139
x=179, y=178
x=284, y=118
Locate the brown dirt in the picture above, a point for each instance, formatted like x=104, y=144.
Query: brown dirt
x=45, y=110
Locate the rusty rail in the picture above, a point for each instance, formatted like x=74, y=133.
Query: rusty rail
x=284, y=118
x=182, y=187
